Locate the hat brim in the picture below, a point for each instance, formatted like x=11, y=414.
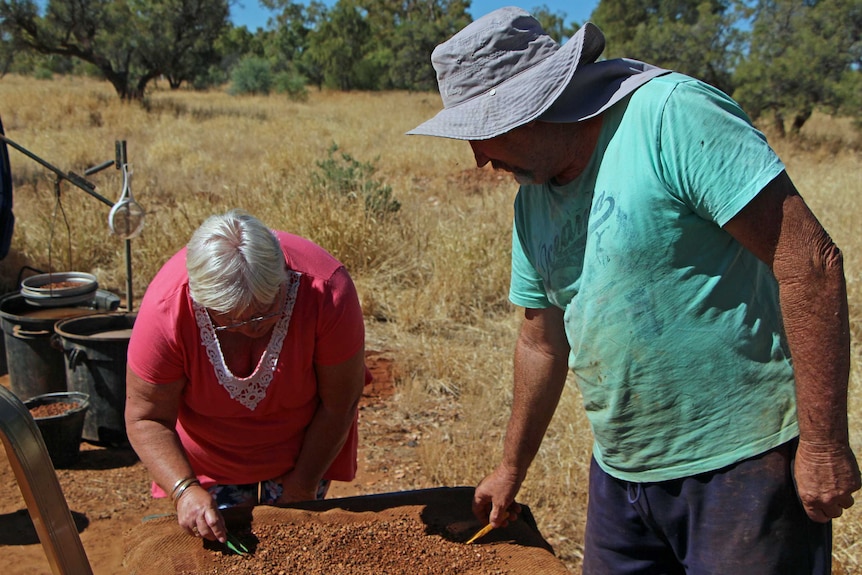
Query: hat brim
x=597, y=87
x=520, y=99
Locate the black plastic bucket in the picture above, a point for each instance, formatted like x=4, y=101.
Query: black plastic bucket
x=3, y=369
x=61, y=432
x=95, y=350
x=35, y=364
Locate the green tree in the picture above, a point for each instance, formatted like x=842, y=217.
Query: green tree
x=403, y=35
x=696, y=37
x=850, y=94
x=364, y=44
x=180, y=37
x=231, y=47
x=554, y=23
x=803, y=55
x=286, y=44
x=339, y=43
x=130, y=42
x=7, y=51
x=410, y=50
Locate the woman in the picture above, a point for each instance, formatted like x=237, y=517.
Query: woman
x=245, y=369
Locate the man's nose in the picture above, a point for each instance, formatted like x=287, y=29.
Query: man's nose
x=481, y=159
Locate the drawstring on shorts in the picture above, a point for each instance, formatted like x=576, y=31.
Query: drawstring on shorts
x=633, y=487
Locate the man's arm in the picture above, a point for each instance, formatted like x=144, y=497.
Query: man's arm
x=541, y=356
x=778, y=228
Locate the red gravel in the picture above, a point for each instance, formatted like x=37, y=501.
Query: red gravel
x=400, y=545
x=52, y=409
x=60, y=285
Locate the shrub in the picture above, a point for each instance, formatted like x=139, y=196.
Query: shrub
x=41, y=73
x=351, y=178
x=252, y=75
x=210, y=78
x=291, y=83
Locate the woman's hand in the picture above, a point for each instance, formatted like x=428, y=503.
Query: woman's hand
x=293, y=491
x=339, y=388
x=151, y=417
x=198, y=515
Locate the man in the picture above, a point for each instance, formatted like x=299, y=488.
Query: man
x=662, y=252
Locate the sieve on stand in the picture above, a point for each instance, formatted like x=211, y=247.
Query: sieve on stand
x=126, y=218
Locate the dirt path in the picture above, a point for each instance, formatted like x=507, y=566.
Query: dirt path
x=108, y=489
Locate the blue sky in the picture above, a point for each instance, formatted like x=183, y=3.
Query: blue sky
x=250, y=14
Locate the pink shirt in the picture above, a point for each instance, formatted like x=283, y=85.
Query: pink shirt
x=225, y=441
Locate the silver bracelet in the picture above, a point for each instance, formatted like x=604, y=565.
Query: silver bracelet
x=176, y=485
x=181, y=488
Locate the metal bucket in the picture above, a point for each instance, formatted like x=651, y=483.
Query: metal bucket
x=35, y=365
x=95, y=350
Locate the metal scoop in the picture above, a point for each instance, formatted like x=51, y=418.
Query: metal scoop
x=126, y=218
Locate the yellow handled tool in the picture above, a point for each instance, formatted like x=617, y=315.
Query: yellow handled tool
x=483, y=531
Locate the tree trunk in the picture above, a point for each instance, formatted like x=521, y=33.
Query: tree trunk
x=778, y=124
x=799, y=120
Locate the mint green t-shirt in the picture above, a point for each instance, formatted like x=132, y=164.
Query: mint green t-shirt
x=675, y=329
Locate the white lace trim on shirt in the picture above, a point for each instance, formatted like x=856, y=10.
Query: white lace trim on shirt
x=250, y=390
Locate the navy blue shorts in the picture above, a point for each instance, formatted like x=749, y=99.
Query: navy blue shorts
x=740, y=520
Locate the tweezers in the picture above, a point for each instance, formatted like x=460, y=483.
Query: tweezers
x=236, y=546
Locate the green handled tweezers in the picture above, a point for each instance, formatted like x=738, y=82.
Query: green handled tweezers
x=236, y=546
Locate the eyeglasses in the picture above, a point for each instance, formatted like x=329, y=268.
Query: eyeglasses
x=252, y=321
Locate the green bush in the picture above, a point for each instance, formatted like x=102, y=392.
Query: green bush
x=350, y=178
x=41, y=73
x=252, y=75
x=211, y=77
x=291, y=83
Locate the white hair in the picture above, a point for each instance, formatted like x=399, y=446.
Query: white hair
x=234, y=260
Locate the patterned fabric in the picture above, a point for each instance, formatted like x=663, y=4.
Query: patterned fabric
x=250, y=390
x=250, y=494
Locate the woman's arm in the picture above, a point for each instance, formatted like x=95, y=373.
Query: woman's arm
x=151, y=417
x=340, y=388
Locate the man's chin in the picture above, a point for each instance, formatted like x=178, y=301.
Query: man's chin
x=524, y=179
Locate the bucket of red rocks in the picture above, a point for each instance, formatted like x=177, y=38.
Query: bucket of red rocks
x=60, y=419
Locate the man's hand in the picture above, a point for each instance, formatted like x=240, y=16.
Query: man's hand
x=826, y=476
x=494, y=498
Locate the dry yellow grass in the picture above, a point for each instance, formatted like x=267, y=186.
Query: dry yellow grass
x=433, y=277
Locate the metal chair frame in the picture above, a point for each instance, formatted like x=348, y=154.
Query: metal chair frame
x=40, y=487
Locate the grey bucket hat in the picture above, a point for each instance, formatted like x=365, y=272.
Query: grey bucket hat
x=503, y=71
